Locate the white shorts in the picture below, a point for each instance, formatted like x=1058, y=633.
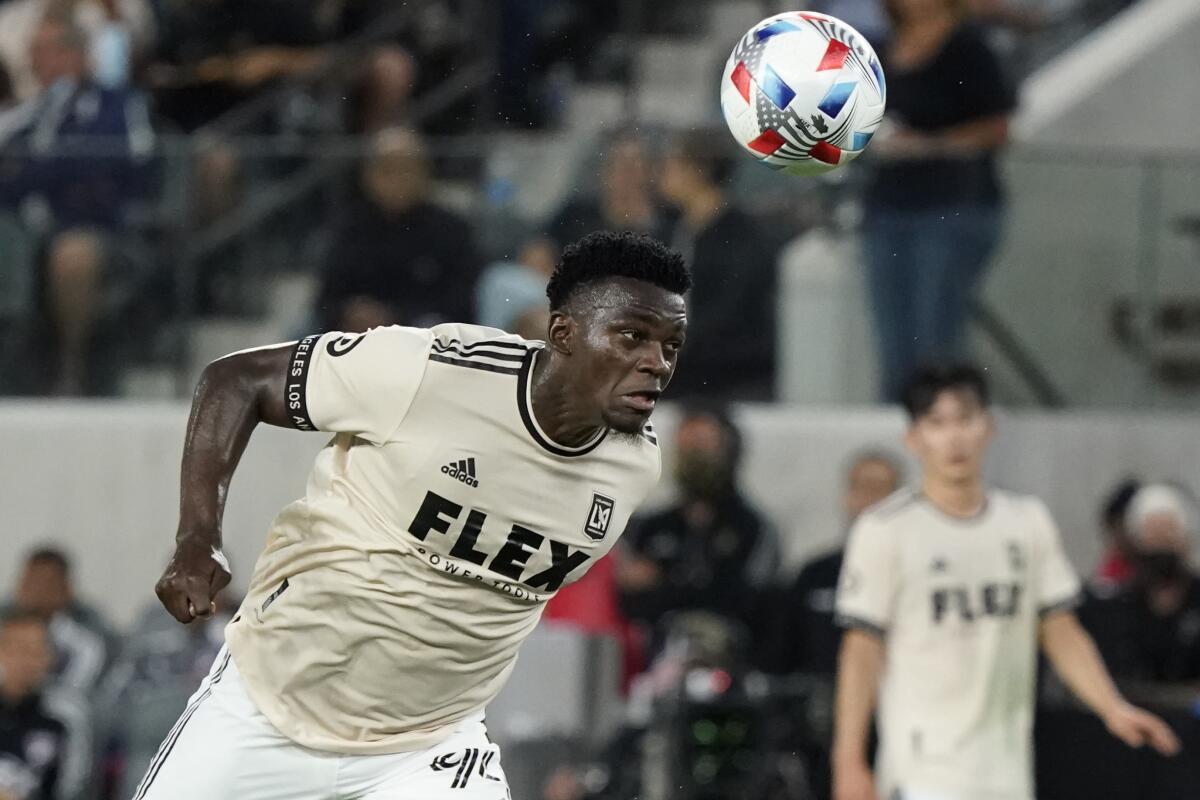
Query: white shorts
x=222, y=747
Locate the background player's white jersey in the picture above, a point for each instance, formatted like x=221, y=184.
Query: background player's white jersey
x=958, y=603
x=390, y=601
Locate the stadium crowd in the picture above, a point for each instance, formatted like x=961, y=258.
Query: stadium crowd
x=128, y=131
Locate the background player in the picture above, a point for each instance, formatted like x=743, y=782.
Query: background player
x=945, y=593
x=472, y=474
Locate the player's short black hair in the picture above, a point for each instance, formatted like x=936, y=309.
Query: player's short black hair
x=604, y=254
x=929, y=381
x=709, y=150
x=50, y=555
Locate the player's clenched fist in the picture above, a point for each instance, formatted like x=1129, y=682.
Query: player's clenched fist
x=191, y=581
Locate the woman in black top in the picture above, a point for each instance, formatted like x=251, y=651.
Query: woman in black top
x=933, y=204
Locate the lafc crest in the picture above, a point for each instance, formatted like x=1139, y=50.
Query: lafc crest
x=599, y=517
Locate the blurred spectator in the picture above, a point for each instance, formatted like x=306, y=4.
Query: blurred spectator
x=933, y=206
x=44, y=745
x=383, y=90
x=624, y=201
x=82, y=641
x=213, y=54
x=1150, y=630
x=512, y=294
x=160, y=665
x=398, y=258
x=1118, y=564
x=712, y=551
x=731, y=327
x=114, y=33
x=73, y=162
x=805, y=637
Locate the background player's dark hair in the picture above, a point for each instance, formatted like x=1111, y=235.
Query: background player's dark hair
x=710, y=150
x=930, y=381
x=50, y=555
x=1116, y=503
x=604, y=254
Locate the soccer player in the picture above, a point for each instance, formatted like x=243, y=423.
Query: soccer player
x=945, y=594
x=471, y=474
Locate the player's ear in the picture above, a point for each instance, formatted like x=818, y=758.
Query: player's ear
x=561, y=332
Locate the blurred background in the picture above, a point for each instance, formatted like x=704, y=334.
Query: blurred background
x=180, y=179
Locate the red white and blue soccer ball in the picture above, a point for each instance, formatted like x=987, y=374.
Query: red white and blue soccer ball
x=803, y=92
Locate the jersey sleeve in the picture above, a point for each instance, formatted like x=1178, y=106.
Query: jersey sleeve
x=866, y=594
x=1056, y=586
x=356, y=383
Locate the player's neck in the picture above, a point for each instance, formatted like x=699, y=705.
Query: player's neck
x=557, y=415
x=964, y=499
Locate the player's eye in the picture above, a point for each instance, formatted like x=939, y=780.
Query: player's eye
x=632, y=334
x=672, y=348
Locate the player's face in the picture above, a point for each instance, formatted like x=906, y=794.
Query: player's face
x=628, y=344
x=950, y=439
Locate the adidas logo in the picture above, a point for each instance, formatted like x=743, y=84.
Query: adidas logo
x=463, y=470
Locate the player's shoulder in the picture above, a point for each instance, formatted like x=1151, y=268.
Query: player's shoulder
x=1005, y=501
x=475, y=334
x=480, y=348
x=895, y=506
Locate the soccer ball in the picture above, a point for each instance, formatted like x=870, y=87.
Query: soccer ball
x=803, y=92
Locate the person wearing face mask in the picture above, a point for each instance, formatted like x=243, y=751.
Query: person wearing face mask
x=1149, y=630
x=712, y=550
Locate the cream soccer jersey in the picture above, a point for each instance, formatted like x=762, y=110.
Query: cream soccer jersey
x=958, y=603
x=391, y=599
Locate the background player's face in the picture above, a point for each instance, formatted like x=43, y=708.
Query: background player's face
x=625, y=342
x=950, y=439
x=870, y=480
x=44, y=588
x=1163, y=533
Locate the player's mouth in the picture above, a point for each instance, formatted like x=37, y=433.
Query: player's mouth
x=643, y=402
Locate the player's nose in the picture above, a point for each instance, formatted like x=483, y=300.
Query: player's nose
x=653, y=361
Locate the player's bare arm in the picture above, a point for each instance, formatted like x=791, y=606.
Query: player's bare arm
x=860, y=665
x=233, y=396
x=1077, y=661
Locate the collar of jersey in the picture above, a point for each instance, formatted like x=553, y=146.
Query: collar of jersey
x=983, y=513
x=525, y=405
